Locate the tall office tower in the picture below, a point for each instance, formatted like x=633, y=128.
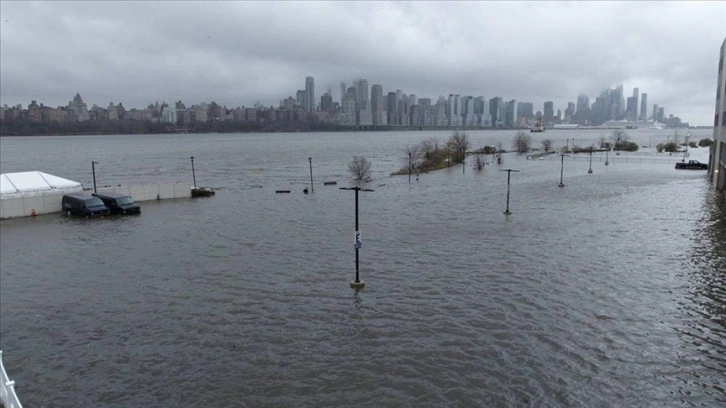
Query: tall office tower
x=620, y=102
x=630, y=111
x=661, y=113
x=717, y=165
x=309, y=105
x=391, y=108
x=634, y=113
x=326, y=102
x=362, y=86
x=300, y=98
x=510, y=114
x=570, y=112
x=655, y=112
x=377, y=104
x=582, y=110
x=343, y=91
x=486, y=115
x=643, y=106
x=549, y=113
x=496, y=108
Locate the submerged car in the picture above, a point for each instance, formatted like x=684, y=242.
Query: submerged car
x=84, y=205
x=119, y=203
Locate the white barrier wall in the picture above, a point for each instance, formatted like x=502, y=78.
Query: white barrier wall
x=50, y=202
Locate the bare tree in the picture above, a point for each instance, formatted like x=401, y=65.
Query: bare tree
x=458, y=143
x=546, y=144
x=676, y=134
x=360, y=168
x=522, y=142
x=619, y=137
x=415, y=154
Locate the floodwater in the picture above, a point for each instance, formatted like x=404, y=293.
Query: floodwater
x=608, y=292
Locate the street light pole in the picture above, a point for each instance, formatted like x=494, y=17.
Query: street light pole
x=509, y=176
x=562, y=170
x=589, y=171
x=312, y=189
x=409, y=167
x=194, y=177
x=606, y=156
x=93, y=169
x=357, y=283
x=463, y=160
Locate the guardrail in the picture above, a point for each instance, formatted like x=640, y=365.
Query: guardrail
x=7, y=389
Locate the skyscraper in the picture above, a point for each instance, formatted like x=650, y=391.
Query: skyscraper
x=377, y=105
x=309, y=103
x=643, y=106
x=343, y=89
x=362, y=88
x=549, y=113
x=634, y=113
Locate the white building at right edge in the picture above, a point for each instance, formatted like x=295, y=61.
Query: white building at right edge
x=717, y=160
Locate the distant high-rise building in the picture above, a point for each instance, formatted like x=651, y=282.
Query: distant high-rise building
x=643, y=106
x=655, y=112
x=549, y=113
x=300, y=98
x=510, y=114
x=362, y=87
x=391, y=107
x=634, y=113
x=326, y=102
x=582, y=110
x=343, y=90
x=377, y=105
x=496, y=109
x=630, y=111
x=309, y=103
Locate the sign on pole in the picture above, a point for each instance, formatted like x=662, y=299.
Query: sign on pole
x=357, y=239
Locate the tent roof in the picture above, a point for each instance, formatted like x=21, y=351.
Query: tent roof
x=33, y=181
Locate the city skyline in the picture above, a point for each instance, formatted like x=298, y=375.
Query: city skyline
x=242, y=53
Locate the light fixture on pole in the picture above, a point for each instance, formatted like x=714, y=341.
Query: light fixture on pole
x=409, y=167
x=310, y=160
x=93, y=169
x=562, y=169
x=509, y=176
x=589, y=171
x=194, y=177
x=357, y=283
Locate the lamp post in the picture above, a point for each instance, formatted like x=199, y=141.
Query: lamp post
x=562, y=169
x=357, y=283
x=93, y=169
x=310, y=160
x=589, y=171
x=509, y=176
x=409, y=167
x=606, y=155
x=463, y=159
x=194, y=177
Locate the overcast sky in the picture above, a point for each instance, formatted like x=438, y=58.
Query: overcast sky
x=239, y=53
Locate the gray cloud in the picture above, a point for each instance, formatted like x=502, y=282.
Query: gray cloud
x=237, y=53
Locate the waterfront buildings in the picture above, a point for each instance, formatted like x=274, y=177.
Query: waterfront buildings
x=717, y=165
x=371, y=107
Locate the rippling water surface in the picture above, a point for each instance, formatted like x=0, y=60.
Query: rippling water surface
x=608, y=292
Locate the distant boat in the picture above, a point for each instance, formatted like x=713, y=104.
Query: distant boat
x=538, y=126
x=658, y=126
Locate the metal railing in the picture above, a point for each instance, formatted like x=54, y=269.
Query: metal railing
x=7, y=389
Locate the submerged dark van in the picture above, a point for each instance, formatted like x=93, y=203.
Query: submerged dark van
x=119, y=203
x=84, y=205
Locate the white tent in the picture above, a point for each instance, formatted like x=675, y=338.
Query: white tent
x=33, y=192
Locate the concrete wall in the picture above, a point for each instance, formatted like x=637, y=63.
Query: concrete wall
x=49, y=203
